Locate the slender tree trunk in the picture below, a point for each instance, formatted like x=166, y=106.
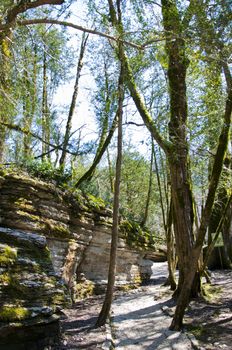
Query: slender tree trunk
x=45, y=111
x=105, y=138
x=114, y=241
x=89, y=173
x=171, y=253
x=4, y=85
x=111, y=173
x=148, y=199
x=74, y=100
x=171, y=258
x=29, y=104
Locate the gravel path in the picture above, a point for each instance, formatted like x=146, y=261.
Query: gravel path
x=140, y=320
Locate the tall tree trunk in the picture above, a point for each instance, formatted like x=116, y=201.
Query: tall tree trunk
x=192, y=266
x=178, y=162
x=110, y=171
x=89, y=173
x=74, y=100
x=177, y=152
x=114, y=241
x=148, y=199
x=168, y=224
x=29, y=103
x=171, y=251
x=105, y=138
x=4, y=91
x=45, y=111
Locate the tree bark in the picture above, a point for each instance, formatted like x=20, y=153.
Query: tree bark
x=45, y=111
x=21, y=7
x=74, y=100
x=5, y=55
x=114, y=241
x=217, y=232
x=148, y=199
x=178, y=161
x=29, y=104
x=214, y=179
x=171, y=253
x=89, y=173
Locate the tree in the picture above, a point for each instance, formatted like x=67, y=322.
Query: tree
x=10, y=11
x=74, y=100
x=105, y=110
x=186, y=26
x=176, y=149
x=114, y=240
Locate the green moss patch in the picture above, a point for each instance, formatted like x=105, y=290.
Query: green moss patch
x=8, y=255
x=83, y=290
x=197, y=330
x=210, y=292
x=136, y=236
x=11, y=314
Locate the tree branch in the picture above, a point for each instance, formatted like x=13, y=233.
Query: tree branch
x=25, y=5
x=75, y=26
x=133, y=123
x=22, y=7
x=27, y=132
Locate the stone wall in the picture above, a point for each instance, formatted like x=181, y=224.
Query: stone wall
x=77, y=234
x=52, y=236
x=31, y=292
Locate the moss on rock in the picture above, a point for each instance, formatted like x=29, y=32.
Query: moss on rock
x=83, y=290
x=13, y=313
x=8, y=255
x=136, y=236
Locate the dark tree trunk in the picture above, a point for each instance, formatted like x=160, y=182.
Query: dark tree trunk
x=178, y=161
x=192, y=265
x=171, y=253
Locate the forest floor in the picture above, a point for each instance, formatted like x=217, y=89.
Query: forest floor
x=140, y=319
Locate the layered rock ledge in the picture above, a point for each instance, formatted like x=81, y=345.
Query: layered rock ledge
x=52, y=244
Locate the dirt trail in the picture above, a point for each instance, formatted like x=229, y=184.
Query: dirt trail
x=140, y=320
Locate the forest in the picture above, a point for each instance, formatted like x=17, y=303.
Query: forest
x=129, y=103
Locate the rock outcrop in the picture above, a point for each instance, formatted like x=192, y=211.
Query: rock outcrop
x=49, y=237
x=31, y=293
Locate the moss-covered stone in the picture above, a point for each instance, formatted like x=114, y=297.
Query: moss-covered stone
x=136, y=236
x=83, y=290
x=210, y=292
x=12, y=313
x=8, y=255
